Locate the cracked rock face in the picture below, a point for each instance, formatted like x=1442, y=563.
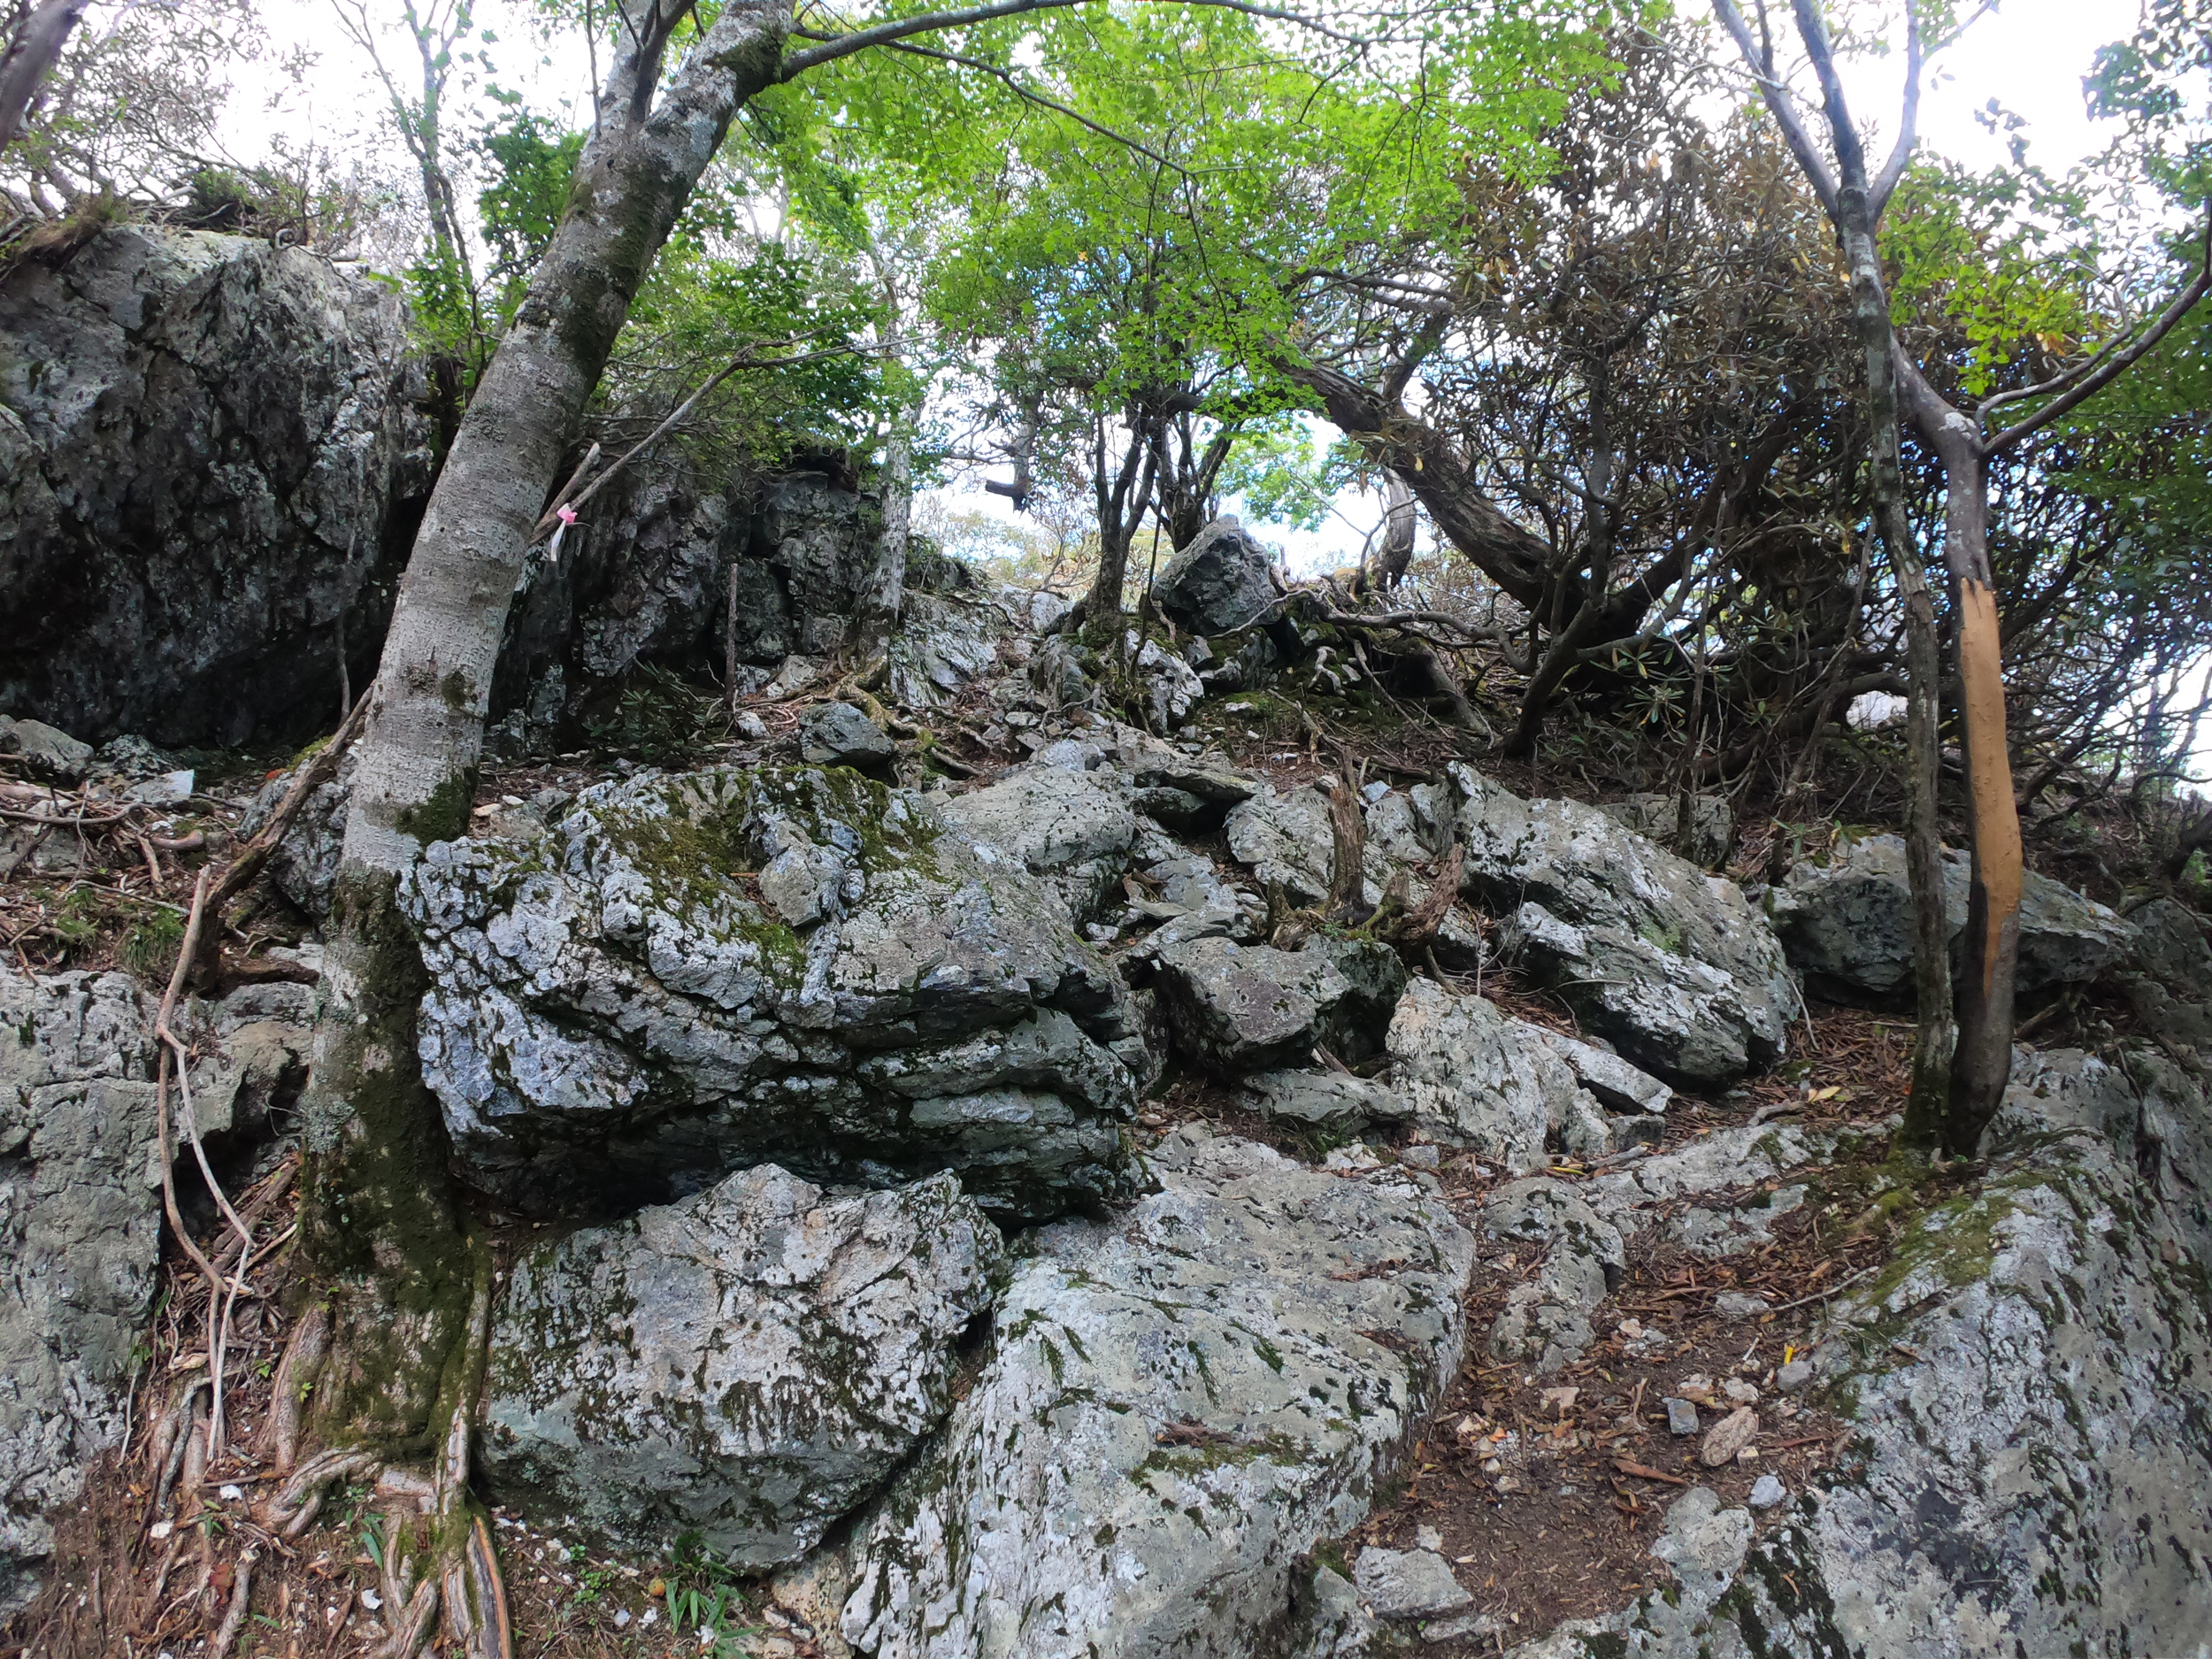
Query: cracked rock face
x=209, y=454
x=1474, y=1077
x=1071, y=829
x=1671, y=965
x=1546, y=1320
x=1176, y=1407
x=1240, y=1009
x=748, y=1364
x=616, y=1020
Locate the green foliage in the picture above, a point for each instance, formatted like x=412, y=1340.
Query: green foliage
x=531, y=163
x=1143, y=245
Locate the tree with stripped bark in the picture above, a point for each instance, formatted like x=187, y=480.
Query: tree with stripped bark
x=1964, y=1056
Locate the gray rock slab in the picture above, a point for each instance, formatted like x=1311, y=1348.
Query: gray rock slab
x=1074, y=829
x=48, y=753
x=839, y=734
x=1475, y=1078
x=1847, y=923
x=1671, y=965
x=614, y=1021
x=1325, y=1100
x=2032, y=1483
x=1241, y=1008
x=1176, y=1407
x=1606, y=1075
x=1546, y=1321
x=748, y=1365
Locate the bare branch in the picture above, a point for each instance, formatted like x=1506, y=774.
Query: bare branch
x=1781, y=105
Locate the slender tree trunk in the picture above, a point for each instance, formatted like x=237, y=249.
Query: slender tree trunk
x=1397, y=547
x=1938, y=1035
x=379, y=1225
x=1989, y=972
x=32, y=53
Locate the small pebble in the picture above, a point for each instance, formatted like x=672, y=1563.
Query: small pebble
x=1421, y=1157
x=1793, y=1377
x=1681, y=1417
x=230, y=1495
x=371, y=1600
x=1766, y=1492
x=1427, y=1538
x=1743, y=1393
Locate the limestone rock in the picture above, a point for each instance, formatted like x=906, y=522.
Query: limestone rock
x=1546, y=1321
x=2035, y=1484
x=838, y=734
x=613, y=1020
x=80, y=1230
x=208, y=451
x=1239, y=1009
x=1847, y=924
x=80, y=1210
x=1606, y=1075
x=1475, y=1078
x=1176, y=1406
x=305, y=864
x=1671, y=965
x=1408, y=1583
x=1325, y=1100
x=1712, y=826
x=1171, y=689
x=1073, y=829
x=748, y=1364
x=47, y=754
x=1218, y=584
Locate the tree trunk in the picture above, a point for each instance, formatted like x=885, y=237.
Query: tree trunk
x=32, y=54
x=1984, y=1063
x=380, y=1226
x=1938, y=1035
x=1397, y=548
x=1123, y=501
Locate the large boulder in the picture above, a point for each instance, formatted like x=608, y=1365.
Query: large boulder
x=1240, y=1009
x=616, y=1017
x=1073, y=829
x=211, y=464
x=1847, y=924
x=1175, y=1406
x=747, y=1365
x=1223, y=581
x=1471, y=1077
x=1671, y=965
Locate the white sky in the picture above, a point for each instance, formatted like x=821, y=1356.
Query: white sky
x=2029, y=54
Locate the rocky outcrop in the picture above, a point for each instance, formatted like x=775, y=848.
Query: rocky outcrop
x=2026, y=1386
x=618, y=1018
x=79, y=1210
x=1223, y=581
x=1176, y=1407
x=748, y=1365
x=1671, y=965
x=212, y=464
x=1847, y=924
